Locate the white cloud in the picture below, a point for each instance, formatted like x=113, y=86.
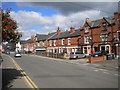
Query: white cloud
x=29, y=19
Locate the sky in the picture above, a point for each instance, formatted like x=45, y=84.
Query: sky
x=44, y=17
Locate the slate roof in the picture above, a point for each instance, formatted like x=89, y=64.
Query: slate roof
x=67, y=34
x=23, y=41
x=96, y=23
x=26, y=41
x=42, y=37
x=110, y=20
x=30, y=41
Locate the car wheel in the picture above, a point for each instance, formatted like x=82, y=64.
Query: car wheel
x=77, y=57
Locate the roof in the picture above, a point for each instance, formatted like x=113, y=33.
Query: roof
x=67, y=34
x=30, y=41
x=23, y=41
x=96, y=23
x=42, y=37
x=110, y=20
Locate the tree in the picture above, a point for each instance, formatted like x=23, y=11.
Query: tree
x=9, y=27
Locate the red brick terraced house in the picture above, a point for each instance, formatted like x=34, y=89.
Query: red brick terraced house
x=28, y=45
x=67, y=41
x=101, y=35
x=42, y=42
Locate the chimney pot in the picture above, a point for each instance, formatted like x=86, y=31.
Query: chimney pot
x=72, y=29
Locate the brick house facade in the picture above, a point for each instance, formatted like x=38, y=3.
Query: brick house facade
x=67, y=41
x=28, y=45
x=42, y=42
x=101, y=35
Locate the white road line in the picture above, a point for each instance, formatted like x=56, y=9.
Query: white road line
x=96, y=70
x=86, y=64
x=116, y=74
x=106, y=72
x=103, y=69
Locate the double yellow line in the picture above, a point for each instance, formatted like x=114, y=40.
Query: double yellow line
x=26, y=77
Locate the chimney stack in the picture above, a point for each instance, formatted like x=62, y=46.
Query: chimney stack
x=32, y=37
x=58, y=31
x=116, y=15
x=72, y=29
x=88, y=20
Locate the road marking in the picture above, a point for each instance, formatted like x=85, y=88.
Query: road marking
x=116, y=74
x=106, y=72
x=103, y=69
x=86, y=64
x=96, y=70
x=26, y=77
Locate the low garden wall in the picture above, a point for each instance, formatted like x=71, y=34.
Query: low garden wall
x=95, y=59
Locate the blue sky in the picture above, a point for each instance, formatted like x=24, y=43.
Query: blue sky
x=45, y=17
x=46, y=11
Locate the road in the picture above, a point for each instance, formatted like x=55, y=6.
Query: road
x=50, y=73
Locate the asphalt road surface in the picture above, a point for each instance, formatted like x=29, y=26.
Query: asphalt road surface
x=50, y=73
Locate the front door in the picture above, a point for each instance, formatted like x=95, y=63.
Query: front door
x=103, y=48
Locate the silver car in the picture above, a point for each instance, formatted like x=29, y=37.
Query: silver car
x=75, y=55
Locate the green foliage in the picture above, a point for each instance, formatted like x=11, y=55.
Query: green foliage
x=9, y=27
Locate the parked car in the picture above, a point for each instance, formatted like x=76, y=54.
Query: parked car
x=17, y=54
x=6, y=52
x=75, y=55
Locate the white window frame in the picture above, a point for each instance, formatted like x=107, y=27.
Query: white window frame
x=86, y=29
x=63, y=43
x=50, y=42
x=38, y=44
x=54, y=42
x=43, y=44
x=104, y=37
x=104, y=26
x=86, y=39
x=69, y=41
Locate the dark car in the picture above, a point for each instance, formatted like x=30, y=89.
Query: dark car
x=6, y=52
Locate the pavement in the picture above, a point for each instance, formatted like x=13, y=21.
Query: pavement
x=11, y=75
x=108, y=64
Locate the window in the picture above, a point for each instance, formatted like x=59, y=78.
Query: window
x=119, y=36
x=96, y=49
x=104, y=37
x=107, y=49
x=86, y=29
x=63, y=41
x=86, y=41
x=69, y=41
x=50, y=42
x=43, y=44
x=38, y=44
x=85, y=50
x=104, y=26
x=79, y=41
x=54, y=42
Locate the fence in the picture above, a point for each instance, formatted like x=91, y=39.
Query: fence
x=53, y=55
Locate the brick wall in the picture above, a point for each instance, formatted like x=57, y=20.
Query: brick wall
x=95, y=59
